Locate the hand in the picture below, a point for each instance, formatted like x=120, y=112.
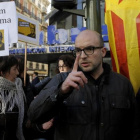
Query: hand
x=47, y=125
x=74, y=79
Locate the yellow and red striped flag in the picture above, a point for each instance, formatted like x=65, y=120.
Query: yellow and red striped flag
x=123, y=21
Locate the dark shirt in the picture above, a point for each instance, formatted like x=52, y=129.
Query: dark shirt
x=104, y=109
x=35, y=81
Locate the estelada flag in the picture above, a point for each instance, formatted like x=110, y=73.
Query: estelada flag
x=123, y=21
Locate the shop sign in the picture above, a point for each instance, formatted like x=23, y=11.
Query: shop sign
x=31, y=50
x=63, y=35
x=68, y=36
x=62, y=48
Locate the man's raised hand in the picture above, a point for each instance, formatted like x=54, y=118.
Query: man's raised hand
x=74, y=79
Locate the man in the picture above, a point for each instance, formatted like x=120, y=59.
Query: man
x=35, y=79
x=32, y=30
x=1, y=43
x=91, y=102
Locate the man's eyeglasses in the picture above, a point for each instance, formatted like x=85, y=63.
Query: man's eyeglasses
x=61, y=67
x=88, y=50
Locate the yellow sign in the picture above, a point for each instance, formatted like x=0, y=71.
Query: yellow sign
x=26, y=28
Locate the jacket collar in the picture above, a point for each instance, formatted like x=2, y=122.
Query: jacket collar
x=104, y=77
x=106, y=73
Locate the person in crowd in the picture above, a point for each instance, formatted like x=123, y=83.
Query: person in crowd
x=14, y=124
x=35, y=79
x=65, y=63
x=12, y=100
x=91, y=102
x=1, y=43
x=27, y=88
x=39, y=86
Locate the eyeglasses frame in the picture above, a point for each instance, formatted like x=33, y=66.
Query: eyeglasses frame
x=93, y=47
x=61, y=66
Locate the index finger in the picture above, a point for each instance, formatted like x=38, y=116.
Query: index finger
x=75, y=66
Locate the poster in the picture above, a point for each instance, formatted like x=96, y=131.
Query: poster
x=4, y=47
x=8, y=18
x=28, y=29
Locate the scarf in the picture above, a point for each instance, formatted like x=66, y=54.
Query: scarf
x=11, y=95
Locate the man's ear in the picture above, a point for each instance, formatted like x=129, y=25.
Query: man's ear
x=103, y=51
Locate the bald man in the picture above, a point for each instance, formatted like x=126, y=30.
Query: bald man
x=91, y=102
x=1, y=43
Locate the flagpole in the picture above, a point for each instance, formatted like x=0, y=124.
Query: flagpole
x=25, y=64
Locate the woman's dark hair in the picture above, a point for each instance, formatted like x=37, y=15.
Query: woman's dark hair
x=68, y=61
x=20, y=64
x=6, y=62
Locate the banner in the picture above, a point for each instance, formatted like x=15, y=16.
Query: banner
x=41, y=38
x=8, y=18
x=123, y=21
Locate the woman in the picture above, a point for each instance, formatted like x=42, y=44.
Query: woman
x=11, y=100
x=31, y=130
x=65, y=63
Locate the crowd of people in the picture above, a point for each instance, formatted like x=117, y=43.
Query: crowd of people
x=86, y=100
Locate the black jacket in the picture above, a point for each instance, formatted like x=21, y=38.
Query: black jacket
x=103, y=110
x=8, y=125
x=35, y=81
x=39, y=86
